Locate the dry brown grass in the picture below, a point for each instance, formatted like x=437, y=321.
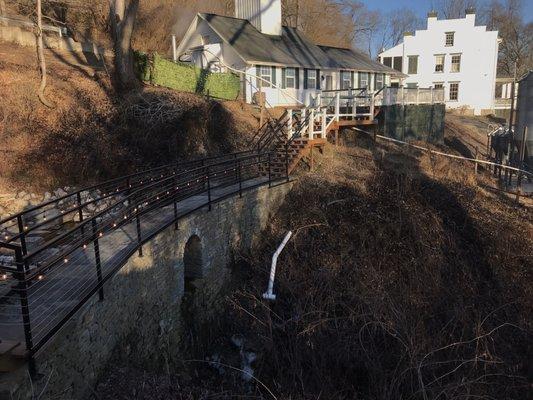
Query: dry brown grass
x=403, y=280
x=93, y=134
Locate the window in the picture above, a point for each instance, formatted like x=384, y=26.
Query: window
x=346, y=80
x=454, y=91
x=438, y=85
x=379, y=81
x=456, y=63
x=449, y=38
x=398, y=63
x=411, y=85
x=363, y=80
x=439, y=63
x=311, y=79
x=266, y=74
x=387, y=61
x=412, y=66
x=290, y=78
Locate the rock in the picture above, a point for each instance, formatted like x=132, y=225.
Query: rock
x=60, y=193
x=47, y=196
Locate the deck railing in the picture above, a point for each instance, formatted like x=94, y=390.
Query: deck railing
x=54, y=257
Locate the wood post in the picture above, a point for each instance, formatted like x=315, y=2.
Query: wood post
x=475, y=162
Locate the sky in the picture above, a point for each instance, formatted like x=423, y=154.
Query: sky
x=421, y=7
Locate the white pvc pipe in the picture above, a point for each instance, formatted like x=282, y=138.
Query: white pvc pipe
x=174, y=55
x=269, y=295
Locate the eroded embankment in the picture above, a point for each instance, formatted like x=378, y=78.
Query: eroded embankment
x=403, y=280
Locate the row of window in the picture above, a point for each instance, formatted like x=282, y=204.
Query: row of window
x=455, y=64
x=412, y=63
x=440, y=59
x=290, y=78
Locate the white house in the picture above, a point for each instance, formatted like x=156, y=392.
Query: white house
x=454, y=54
x=274, y=59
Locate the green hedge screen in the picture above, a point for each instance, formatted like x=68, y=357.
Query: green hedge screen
x=185, y=77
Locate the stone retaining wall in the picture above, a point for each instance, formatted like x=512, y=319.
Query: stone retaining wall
x=141, y=314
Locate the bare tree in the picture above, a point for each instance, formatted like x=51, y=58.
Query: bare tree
x=451, y=9
x=3, y=11
x=394, y=24
x=123, y=22
x=517, y=37
x=40, y=56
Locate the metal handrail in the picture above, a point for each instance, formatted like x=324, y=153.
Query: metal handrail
x=140, y=201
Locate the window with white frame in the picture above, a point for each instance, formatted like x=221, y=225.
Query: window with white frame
x=439, y=63
x=290, y=78
x=456, y=63
x=311, y=78
x=387, y=61
x=438, y=85
x=379, y=81
x=412, y=65
x=453, y=93
x=449, y=38
x=265, y=73
x=363, y=80
x=346, y=80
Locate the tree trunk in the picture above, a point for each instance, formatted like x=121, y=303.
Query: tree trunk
x=123, y=25
x=3, y=11
x=40, y=57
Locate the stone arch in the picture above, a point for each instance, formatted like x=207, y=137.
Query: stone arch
x=193, y=258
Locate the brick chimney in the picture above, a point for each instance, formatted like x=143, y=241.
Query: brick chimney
x=265, y=15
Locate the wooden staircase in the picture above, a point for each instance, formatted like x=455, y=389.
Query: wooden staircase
x=289, y=154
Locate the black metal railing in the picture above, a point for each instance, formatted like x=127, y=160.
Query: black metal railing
x=51, y=266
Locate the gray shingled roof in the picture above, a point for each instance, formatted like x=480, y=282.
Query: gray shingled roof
x=354, y=59
x=291, y=49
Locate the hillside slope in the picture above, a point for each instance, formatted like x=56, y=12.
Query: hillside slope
x=403, y=280
x=94, y=134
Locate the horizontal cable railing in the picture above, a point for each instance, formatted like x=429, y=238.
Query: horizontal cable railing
x=43, y=285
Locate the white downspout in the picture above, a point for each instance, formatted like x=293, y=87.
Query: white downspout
x=269, y=295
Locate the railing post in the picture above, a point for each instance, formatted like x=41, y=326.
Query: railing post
x=97, y=259
x=324, y=123
x=303, y=115
x=80, y=211
x=25, y=309
x=20, y=223
x=239, y=171
x=208, y=188
x=287, y=161
x=372, y=100
x=337, y=105
x=176, y=227
x=269, y=170
x=289, y=123
x=311, y=128
x=139, y=237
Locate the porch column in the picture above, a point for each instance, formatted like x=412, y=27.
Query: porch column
x=372, y=101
